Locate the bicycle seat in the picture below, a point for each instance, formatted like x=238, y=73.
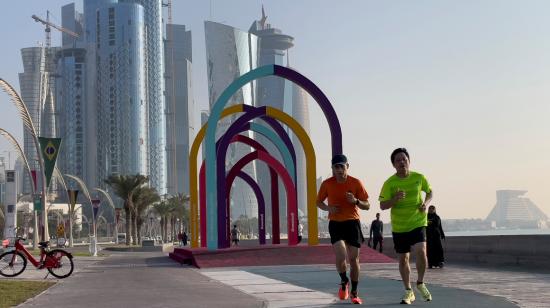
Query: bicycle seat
x=44, y=244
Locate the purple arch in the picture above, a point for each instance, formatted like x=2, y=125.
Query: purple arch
x=274, y=195
x=259, y=196
x=222, y=146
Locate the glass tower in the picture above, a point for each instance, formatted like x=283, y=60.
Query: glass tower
x=180, y=107
x=121, y=99
x=231, y=53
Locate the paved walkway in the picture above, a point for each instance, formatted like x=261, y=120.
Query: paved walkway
x=153, y=280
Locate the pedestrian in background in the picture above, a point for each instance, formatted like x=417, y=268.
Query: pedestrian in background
x=435, y=234
x=376, y=233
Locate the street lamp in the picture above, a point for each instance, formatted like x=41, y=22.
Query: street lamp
x=93, y=240
x=112, y=204
x=28, y=123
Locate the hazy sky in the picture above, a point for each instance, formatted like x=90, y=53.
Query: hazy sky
x=463, y=85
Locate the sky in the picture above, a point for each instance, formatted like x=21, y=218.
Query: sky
x=463, y=85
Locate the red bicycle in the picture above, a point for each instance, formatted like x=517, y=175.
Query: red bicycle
x=58, y=262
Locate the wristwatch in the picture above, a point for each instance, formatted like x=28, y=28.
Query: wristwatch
x=357, y=201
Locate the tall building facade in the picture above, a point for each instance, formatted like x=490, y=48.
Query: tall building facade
x=230, y=53
x=279, y=93
x=180, y=107
x=72, y=98
x=121, y=99
x=35, y=87
x=154, y=70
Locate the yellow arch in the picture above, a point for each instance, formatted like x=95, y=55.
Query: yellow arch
x=313, y=238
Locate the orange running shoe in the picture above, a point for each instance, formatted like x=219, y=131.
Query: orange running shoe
x=343, y=292
x=355, y=299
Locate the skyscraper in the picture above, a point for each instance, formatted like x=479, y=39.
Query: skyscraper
x=154, y=70
x=34, y=83
x=121, y=90
x=179, y=105
x=230, y=53
x=72, y=98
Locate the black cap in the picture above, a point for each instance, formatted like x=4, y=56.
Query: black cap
x=339, y=159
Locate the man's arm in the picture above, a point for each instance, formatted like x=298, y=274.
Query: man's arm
x=427, y=201
x=388, y=204
x=363, y=204
x=323, y=206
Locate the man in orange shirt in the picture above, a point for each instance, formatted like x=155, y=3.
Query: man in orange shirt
x=346, y=195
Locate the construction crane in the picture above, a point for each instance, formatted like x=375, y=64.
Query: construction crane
x=49, y=25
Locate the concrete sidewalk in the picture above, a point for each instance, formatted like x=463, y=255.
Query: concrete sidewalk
x=134, y=279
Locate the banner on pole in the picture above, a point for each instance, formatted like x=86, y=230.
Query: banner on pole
x=95, y=205
x=37, y=202
x=50, y=149
x=72, y=198
x=117, y=214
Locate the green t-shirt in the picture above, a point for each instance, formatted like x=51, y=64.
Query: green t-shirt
x=405, y=215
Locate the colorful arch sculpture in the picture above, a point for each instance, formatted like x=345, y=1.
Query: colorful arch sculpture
x=216, y=112
x=195, y=194
x=274, y=198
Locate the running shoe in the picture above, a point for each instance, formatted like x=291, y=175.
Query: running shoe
x=355, y=299
x=424, y=292
x=343, y=292
x=408, y=298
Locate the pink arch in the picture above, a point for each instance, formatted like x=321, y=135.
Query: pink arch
x=292, y=208
x=275, y=229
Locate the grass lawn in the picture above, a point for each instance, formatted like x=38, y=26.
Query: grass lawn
x=14, y=292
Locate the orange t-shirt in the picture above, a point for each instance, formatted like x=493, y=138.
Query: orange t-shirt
x=336, y=194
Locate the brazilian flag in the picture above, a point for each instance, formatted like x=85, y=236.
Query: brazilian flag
x=49, y=148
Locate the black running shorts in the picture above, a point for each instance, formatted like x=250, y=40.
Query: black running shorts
x=402, y=242
x=348, y=231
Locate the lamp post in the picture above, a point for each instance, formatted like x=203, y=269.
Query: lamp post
x=28, y=123
x=112, y=204
x=93, y=240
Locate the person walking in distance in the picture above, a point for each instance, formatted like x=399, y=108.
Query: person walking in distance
x=376, y=232
x=235, y=234
x=300, y=232
x=402, y=193
x=346, y=195
x=435, y=234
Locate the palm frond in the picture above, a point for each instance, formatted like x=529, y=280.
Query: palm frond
x=19, y=104
x=16, y=145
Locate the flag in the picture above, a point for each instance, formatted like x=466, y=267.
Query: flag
x=50, y=149
x=95, y=204
x=117, y=211
x=37, y=202
x=72, y=198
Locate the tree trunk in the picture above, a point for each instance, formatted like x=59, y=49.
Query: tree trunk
x=166, y=229
x=128, y=225
x=139, y=226
x=134, y=222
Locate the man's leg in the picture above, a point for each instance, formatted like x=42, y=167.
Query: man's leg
x=405, y=269
x=340, y=253
x=353, y=255
x=421, y=260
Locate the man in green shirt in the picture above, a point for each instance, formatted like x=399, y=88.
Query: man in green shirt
x=402, y=193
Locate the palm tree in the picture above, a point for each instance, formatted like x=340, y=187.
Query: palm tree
x=143, y=198
x=124, y=187
x=163, y=210
x=179, y=208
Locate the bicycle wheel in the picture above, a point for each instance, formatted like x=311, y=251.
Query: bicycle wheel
x=59, y=263
x=12, y=263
